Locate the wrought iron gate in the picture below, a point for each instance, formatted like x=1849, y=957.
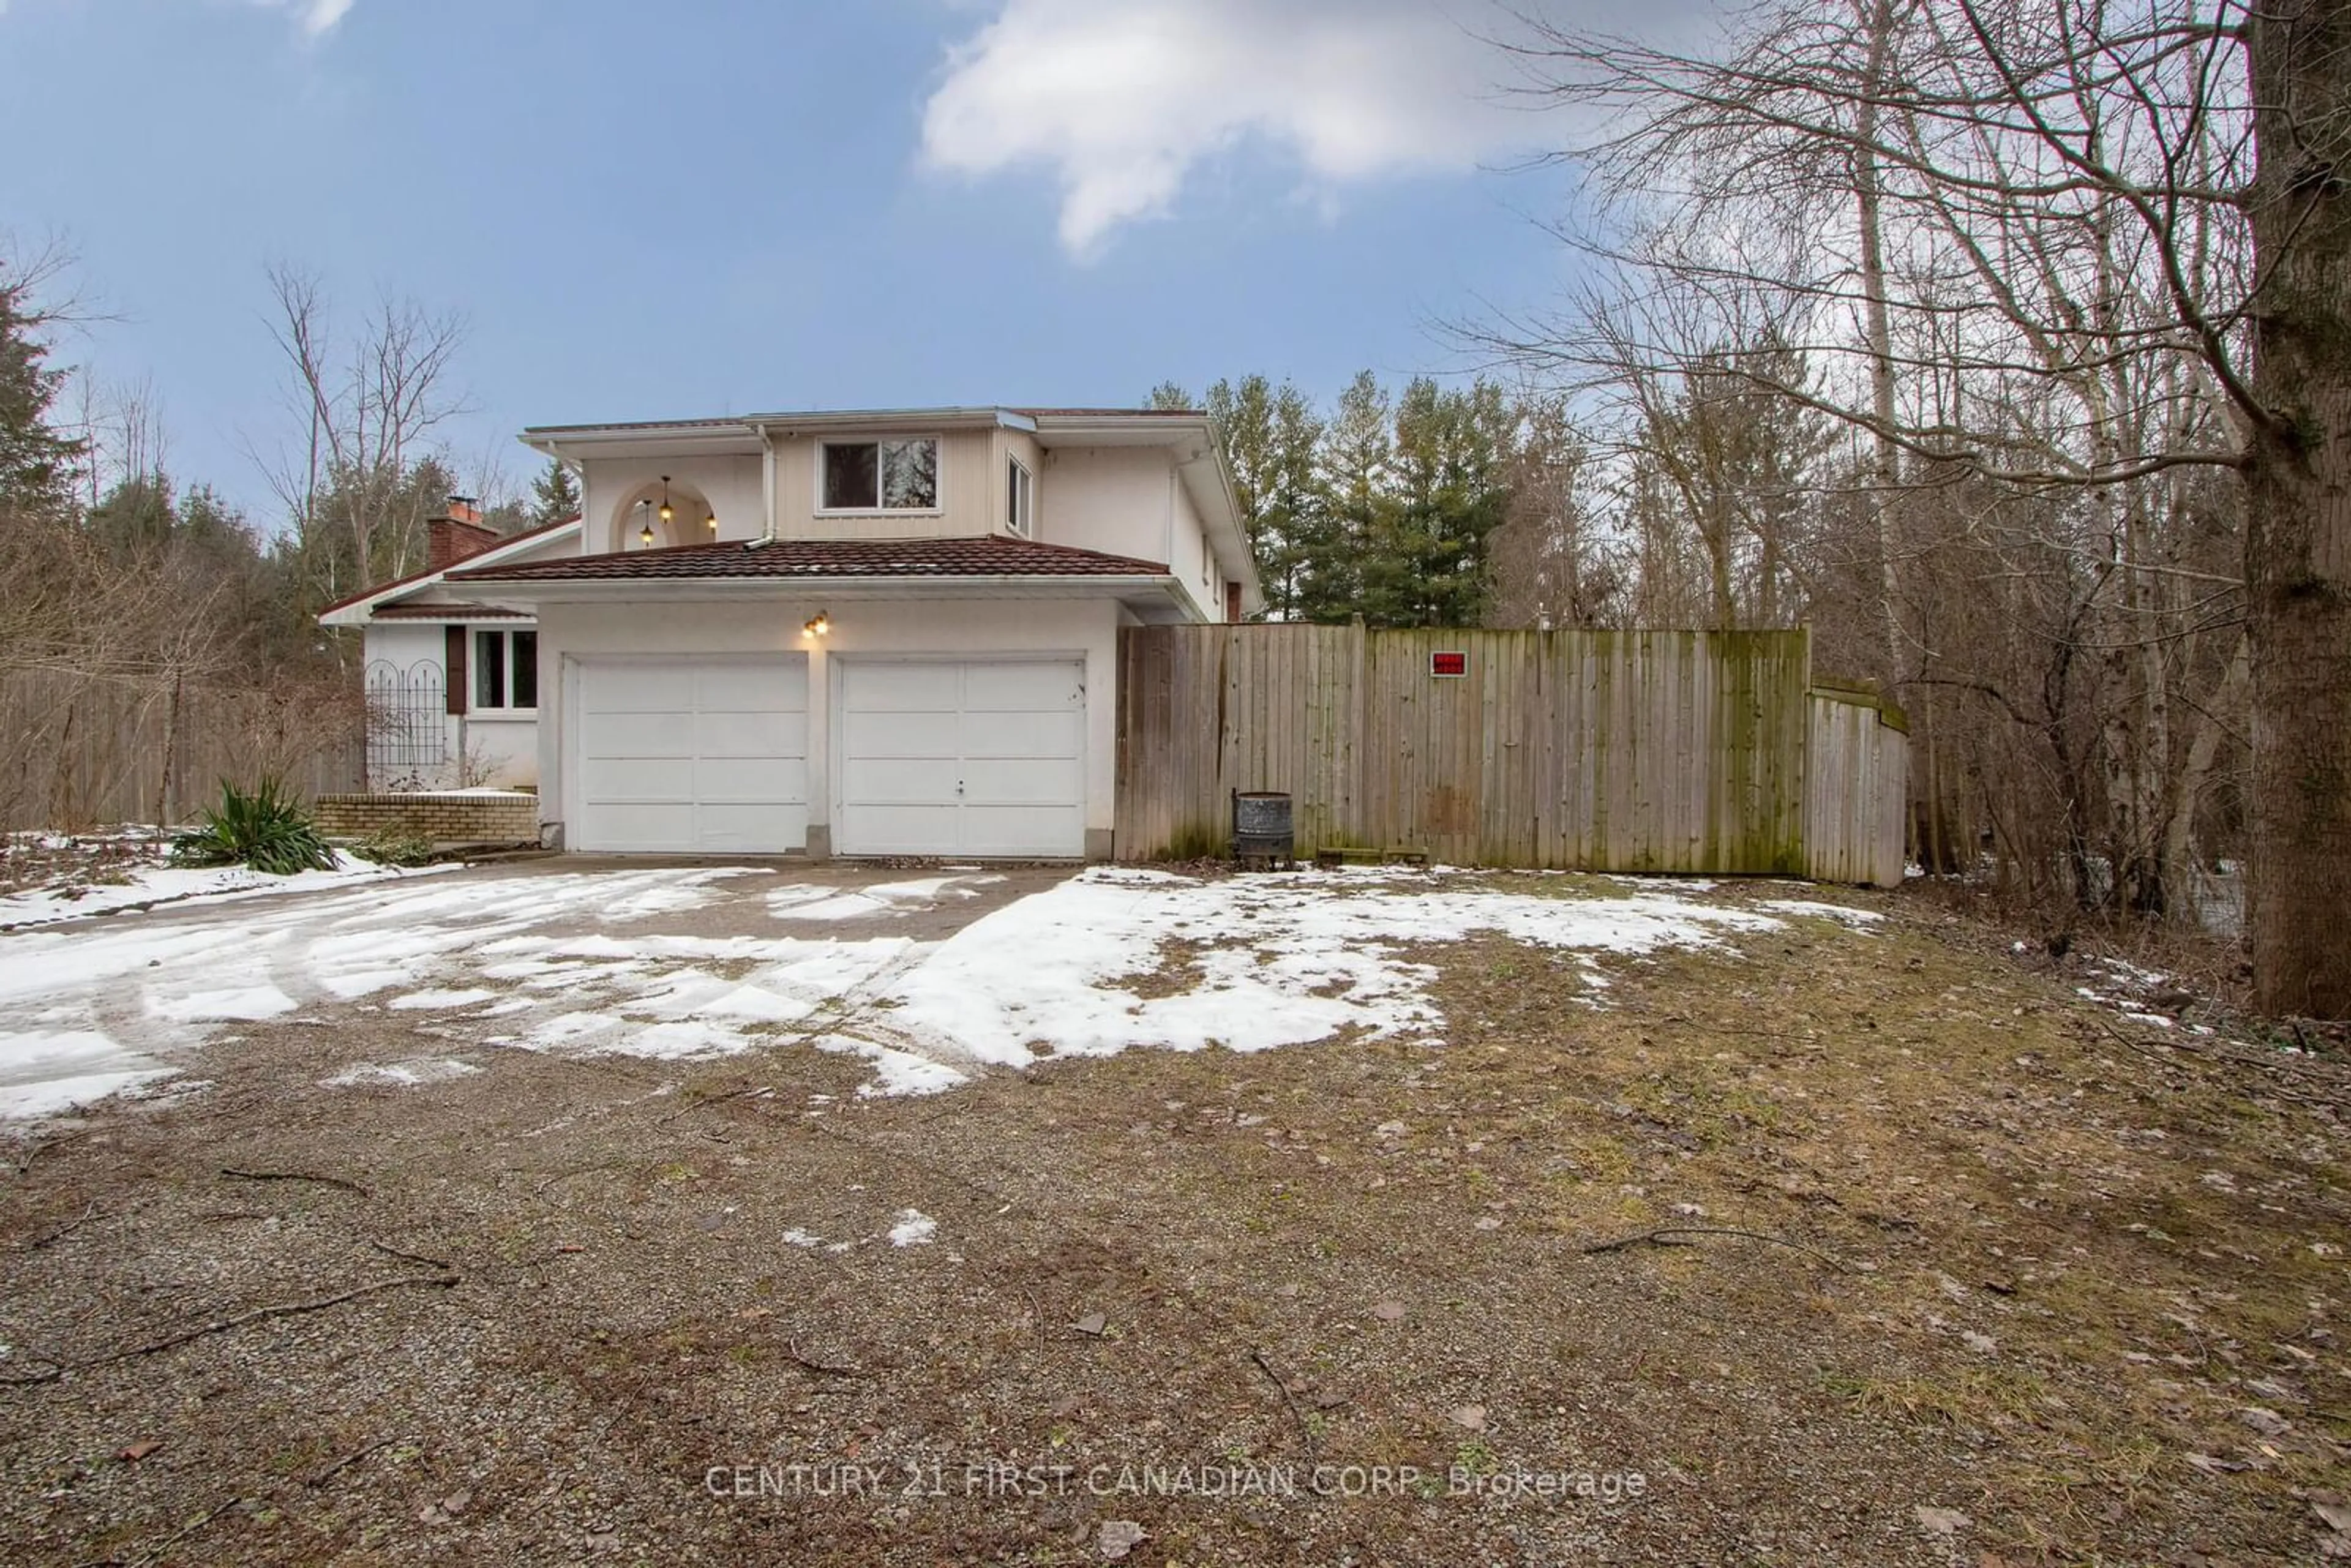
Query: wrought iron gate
x=408, y=722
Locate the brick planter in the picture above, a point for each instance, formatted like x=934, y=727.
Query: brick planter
x=442, y=818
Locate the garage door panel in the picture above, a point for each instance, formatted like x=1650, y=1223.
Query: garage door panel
x=1018, y=735
x=643, y=825
x=1060, y=782
x=898, y=735
x=754, y=687
x=736, y=734
x=891, y=688
x=893, y=781
x=748, y=827
x=1020, y=687
x=689, y=756
x=1021, y=829
x=619, y=778
x=962, y=757
x=751, y=779
x=624, y=689
x=638, y=735
x=884, y=830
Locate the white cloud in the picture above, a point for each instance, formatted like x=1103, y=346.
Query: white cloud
x=316, y=18
x=1121, y=98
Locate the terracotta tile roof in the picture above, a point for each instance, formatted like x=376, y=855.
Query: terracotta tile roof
x=984, y=556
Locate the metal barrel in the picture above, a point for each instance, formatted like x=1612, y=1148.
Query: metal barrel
x=1261, y=829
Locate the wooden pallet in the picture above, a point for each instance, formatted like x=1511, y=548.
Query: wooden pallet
x=1331, y=856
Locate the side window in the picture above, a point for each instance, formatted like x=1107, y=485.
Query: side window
x=1020, y=500
x=523, y=666
x=489, y=669
x=505, y=670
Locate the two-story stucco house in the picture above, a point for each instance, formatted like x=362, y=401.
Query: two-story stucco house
x=861, y=633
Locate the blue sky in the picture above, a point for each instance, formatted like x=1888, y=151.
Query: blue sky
x=647, y=211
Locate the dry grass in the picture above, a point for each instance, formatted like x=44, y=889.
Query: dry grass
x=1330, y=1255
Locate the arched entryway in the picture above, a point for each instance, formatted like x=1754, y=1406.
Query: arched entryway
x=663, y=512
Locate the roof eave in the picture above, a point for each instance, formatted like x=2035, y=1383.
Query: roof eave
x=360, y=609
x=1124, y=586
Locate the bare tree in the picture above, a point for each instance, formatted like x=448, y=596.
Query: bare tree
x=2050, y=259
x=368, y=411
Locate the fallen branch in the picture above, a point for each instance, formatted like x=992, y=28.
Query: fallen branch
x=705, y=1103
x=1266, y=1367
x=390, y=1251
x=829, y=1368
x=263, y=1315
x=1662, y=1235
x=157, y=1553
x=61, y=1232
x=351, y=1186
x=43, y=1147
x=348, y=1460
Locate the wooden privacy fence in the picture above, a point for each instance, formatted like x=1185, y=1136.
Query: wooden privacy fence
x=78, y=752
x=1638, y=751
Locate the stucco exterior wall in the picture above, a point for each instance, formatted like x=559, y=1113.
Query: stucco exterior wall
x=1190, y=558
x=1118, y=499
x=730, y=486
x=1081, y=628
x=477, y=749
x=500, y=748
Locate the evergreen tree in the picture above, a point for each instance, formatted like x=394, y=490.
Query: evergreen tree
x=36, y=463
x=1358, y=449
x=1269, y=435
x=555, y=495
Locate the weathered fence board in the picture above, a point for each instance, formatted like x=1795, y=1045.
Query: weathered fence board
x=1663, y=751
x=81, y=752
x=1856, y=798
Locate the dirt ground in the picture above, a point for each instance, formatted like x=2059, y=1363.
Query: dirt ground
x=2017, y=1280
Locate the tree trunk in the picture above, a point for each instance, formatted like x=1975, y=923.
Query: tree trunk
x=2298, y=512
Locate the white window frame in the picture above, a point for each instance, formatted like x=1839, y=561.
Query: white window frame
x=506, y=709
x=938, y=476
x=1021, y=503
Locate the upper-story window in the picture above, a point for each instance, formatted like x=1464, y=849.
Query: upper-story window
x=1020, y=499
x=900, y=475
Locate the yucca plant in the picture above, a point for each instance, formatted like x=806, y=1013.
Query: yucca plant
x=268, y=830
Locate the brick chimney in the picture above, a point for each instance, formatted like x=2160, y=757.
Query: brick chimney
x=456, y=534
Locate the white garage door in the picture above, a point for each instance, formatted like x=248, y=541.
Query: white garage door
x=962, y=758
x=692, y=756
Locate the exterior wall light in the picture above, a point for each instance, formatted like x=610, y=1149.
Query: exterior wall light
x=817, y=625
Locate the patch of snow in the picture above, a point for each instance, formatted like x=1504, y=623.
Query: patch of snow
x=47, y=1072
x=1282, y=961
x=896, y=1072
x=241, y=1004
x=55, y=1096
x=796, y=1237
x=914, y=1228
x=437, y=1001
x=401, y=1074
x=362, y=982
x=161, y=883
x=684, y=1038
